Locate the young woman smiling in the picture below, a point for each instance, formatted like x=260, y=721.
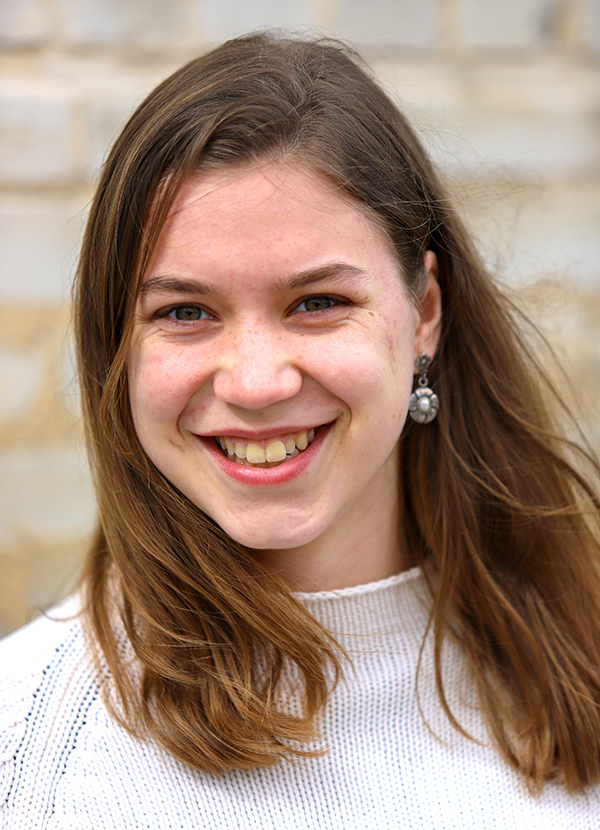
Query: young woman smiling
x=303, y=608
x=273, y=310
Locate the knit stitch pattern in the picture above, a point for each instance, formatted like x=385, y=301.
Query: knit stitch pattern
x=65, y=764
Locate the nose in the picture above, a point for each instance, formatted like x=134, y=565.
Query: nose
x=256, y=370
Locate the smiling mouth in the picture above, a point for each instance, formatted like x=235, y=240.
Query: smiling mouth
x=272, y=454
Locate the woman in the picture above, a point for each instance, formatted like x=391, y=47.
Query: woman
x=302, y=607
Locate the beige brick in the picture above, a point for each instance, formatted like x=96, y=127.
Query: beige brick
x=490, y=141
x=38, y=247
x=403, y=23
x=13, y=595
x=441, y=84
x=35, y=576
x=530, y=232
x=51, y=420
x=24, y=22
x=222, y=19
x=20, y=379
x=31, y=327
x=46, y=494
x=591, y=23
x=550, y=84
x=105, y=117
x=507, y=23
x=139, y=22
x=35, y=141
x=557, y=243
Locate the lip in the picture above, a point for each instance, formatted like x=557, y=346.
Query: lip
x=265, y=476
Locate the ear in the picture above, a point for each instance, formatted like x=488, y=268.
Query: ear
x=427, y=335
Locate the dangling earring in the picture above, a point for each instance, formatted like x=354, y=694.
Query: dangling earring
x=424, y=403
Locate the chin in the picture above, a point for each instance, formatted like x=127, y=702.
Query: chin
x=272, y=539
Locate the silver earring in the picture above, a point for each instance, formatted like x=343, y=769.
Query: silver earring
x=424, y=404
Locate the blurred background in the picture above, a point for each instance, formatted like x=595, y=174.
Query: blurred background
x=506, y=94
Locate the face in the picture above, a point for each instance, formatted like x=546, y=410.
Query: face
x=272, y=360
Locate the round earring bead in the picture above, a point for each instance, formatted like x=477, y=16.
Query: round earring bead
x=424, y=405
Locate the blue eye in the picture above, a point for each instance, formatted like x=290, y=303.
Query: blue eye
x=316, y=304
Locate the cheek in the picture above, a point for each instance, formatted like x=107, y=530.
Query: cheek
x=160, y=386
x=370, y=371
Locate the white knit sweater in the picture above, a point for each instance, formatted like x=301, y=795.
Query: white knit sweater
x=66, y=765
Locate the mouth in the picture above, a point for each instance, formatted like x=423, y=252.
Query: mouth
x=271, y=453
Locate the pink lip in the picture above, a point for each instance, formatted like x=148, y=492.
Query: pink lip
x=263, y=476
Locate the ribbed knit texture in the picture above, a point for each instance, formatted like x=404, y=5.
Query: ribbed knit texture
x=66, y=765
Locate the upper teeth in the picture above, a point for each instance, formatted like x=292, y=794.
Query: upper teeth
x=275, y=451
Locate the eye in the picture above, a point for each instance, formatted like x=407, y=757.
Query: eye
x=188, y=313
x=317, y=304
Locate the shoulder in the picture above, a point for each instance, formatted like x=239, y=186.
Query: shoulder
x=27, y=654
x=47, y=678
x=29, y=648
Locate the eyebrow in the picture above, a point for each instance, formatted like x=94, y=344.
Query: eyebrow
x=175, y=285
x=333, y=271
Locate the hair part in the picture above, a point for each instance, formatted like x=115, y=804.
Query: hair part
x=509, y=543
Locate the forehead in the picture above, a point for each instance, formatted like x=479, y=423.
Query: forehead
x=273, y=211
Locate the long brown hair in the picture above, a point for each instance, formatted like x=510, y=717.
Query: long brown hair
x=503, y=525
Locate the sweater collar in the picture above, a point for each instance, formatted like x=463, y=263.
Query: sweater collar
x=376, y=608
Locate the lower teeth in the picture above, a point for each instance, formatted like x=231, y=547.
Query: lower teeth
x=245, y=463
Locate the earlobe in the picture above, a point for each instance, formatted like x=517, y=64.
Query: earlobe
x=428, y=331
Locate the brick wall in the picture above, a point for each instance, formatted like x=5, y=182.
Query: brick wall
x=506, y=93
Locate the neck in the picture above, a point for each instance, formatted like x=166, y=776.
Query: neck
x=364, y=546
